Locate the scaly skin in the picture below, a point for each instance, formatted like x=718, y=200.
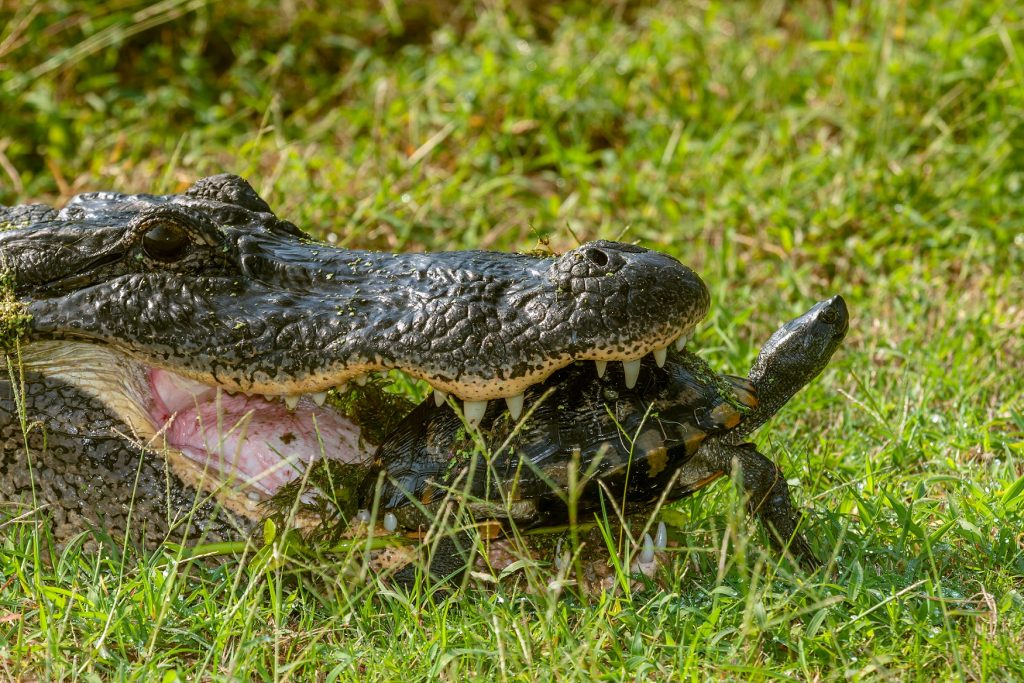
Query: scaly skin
x=156, y=322
x=674, y=433
x=82, y=475
x=228, y=294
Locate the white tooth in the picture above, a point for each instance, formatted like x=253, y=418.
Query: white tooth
x=291, y=401
x=560, y=561
x=363, y=516
x=440, y=397
x=602, y=365
x=682, y=341
x=515, y=405
x=631, y=369
x=271, y=397
x=661, y=537
x=660, y=355
x=253, y=496
x=390, y=522
x=647, y=554
x=319, y=397
x=474, y=411
x=361, y=380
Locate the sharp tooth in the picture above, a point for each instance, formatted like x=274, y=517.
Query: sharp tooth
x=682, y=341
x=602, y=365
x=440, y=397
x=253, y=496
x=390, y=522
x=661, y=537
x=647, y=554
x=631, y=369
x=363, y=516
x=474, y=411
x=660, y=355
x=560, y=561
x=515, y=405
x=319, y=397
x=361, y=380
x=271, y=397
x=291, y=401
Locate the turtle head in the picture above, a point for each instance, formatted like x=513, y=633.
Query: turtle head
x=794, y=355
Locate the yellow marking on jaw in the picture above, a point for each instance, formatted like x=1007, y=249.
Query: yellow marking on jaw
x=467, y=387
x=428, y=495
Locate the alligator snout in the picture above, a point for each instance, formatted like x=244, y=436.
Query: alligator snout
x=209, y=291
x=253, y=307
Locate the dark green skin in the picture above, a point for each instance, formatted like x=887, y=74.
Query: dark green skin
x=660, y=440
x=211, y=285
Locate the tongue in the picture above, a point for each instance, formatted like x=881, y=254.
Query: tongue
x=254, y=441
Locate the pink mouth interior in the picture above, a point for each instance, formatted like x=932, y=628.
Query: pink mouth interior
x=247, y=438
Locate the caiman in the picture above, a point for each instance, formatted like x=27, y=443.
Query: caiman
x=168, y=356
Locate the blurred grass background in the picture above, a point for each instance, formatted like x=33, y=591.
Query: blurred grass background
x=787, y=151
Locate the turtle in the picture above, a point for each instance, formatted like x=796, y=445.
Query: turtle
x=585, y=441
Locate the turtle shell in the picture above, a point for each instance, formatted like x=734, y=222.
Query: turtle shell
x=586, y=437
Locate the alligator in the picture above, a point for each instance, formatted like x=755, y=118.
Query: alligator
x=169, y=356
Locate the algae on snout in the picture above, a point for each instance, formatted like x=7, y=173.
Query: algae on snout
x=14, y=316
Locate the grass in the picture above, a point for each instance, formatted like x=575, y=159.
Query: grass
x=787, y=152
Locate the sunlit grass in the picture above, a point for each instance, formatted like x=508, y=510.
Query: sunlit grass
x=787, y=153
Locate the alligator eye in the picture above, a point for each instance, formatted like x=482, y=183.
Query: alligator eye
x=829, y=316
x=166, y=242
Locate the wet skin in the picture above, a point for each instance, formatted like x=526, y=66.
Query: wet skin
x=679, y=429
x=191, y=338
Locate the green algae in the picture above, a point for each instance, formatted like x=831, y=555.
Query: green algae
x=700, y=368
x=14, y=316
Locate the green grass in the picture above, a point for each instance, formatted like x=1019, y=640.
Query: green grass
x=787, y=153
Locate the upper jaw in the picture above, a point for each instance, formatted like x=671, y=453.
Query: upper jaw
x=275, y=313
x=303, y=321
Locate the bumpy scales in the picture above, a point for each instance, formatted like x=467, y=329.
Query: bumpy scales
x=680, y=427
x=205, y=332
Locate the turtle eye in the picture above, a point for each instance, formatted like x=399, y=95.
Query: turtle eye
x=829, y=316
x=166, y=242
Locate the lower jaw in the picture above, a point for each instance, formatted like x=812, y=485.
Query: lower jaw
x=240, y=449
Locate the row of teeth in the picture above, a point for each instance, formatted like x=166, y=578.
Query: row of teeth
x=474, y=411
x=390, y=521
x=648, y=548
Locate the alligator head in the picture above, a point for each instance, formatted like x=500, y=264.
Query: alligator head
x=209, y=328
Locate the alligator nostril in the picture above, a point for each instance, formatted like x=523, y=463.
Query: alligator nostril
x=597, y=257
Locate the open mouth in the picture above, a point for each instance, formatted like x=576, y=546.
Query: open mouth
x=241, y=448
x=260, y=444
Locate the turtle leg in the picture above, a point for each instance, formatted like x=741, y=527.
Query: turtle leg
x=769, y=500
